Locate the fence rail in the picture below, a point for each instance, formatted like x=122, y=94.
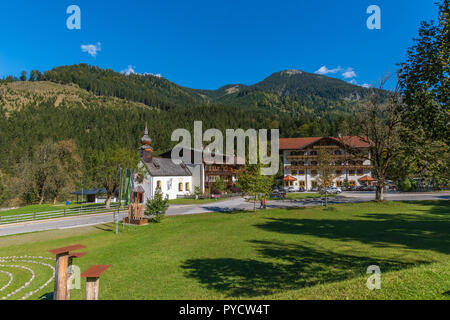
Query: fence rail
x=70, y=212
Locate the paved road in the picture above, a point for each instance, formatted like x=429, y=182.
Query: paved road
x=219, y=206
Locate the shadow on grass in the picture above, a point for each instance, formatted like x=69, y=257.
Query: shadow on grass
x=295, y=267
x=46, y=296
x=104, y=227
x=429, y=231
x=289, y=266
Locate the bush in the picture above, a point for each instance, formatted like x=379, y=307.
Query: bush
x=156, y=208
x=405, y=185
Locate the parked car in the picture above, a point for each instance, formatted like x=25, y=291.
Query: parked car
x=278, y=195
x=291, y=189
x=334, y=190
x=314, y=189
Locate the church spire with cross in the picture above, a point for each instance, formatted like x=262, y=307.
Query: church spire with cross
x=146, y=150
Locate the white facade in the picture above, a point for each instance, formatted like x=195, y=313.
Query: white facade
x=171, y=186
x=305, y=171
x=198, y=176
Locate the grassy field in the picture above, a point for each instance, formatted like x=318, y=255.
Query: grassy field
x=35, y=208
x=191, y=201
x=308, y=253
x=299, y=196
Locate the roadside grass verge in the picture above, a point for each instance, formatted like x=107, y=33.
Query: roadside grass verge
x=299, y=196
x=192, y=201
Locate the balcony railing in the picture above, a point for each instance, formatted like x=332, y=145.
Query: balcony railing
x=336, y=167
x=333, y=156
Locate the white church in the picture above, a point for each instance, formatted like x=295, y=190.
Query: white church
x=173, y=179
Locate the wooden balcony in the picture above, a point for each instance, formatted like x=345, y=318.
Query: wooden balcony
x=334, y=156
x=220, y=173
x=334, y=167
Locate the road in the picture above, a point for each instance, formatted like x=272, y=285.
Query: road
x=219, y=206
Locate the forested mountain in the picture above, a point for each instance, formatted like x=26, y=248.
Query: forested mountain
x=292, y=91
x=91, y=109
x=148, y=89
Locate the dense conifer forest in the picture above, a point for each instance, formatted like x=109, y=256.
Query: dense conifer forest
x=96, y=109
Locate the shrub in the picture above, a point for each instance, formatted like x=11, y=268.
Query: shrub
x=156, y=208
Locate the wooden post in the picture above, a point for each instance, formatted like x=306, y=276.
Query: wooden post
x=70, y=272
x=59, y=292
x=92, y=276
x=62, y=263
x=92, y=288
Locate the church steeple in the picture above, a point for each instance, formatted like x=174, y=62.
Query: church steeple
x=146, y=140
x=146, y=150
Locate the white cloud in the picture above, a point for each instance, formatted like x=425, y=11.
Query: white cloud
x=325, y=70
x=128, y=71
x=91, y=49
x=349, y=73
x=364, y=85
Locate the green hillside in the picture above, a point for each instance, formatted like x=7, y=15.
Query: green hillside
x=96, y=108
x=292, y=91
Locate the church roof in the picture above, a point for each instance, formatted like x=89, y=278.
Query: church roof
x=165, y=167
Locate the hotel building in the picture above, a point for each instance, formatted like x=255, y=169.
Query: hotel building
x=300, y=161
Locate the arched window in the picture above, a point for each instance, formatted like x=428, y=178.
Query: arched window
x=180, y=186
x=158, y=184
x=188, y=188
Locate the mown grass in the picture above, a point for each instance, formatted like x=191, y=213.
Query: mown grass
x=191, y=201
x=299, y=196
x=308, y=253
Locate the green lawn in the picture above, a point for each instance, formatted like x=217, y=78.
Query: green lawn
x=308, y=253
x=191, y=201
x=46, y=207
x=299, y=196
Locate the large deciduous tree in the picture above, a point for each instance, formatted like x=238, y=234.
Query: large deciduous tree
x=253, y=183
x=425, y=86
x=326, y=170
x=105, y=167
x=425, y=81
x=49, y=172
x=378, y=124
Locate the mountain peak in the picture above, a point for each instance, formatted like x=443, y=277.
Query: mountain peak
x=291, y=72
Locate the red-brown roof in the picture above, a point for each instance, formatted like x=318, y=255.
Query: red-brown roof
x=77, y=254
x=95, y=271
x=67, y=249
x=300, y=143
x=296, y=143
x=354, y=141
x=366, y=178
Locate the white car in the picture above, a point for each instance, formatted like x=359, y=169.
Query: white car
x=334, y=190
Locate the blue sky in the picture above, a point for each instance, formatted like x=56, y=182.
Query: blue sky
x=207, y=44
